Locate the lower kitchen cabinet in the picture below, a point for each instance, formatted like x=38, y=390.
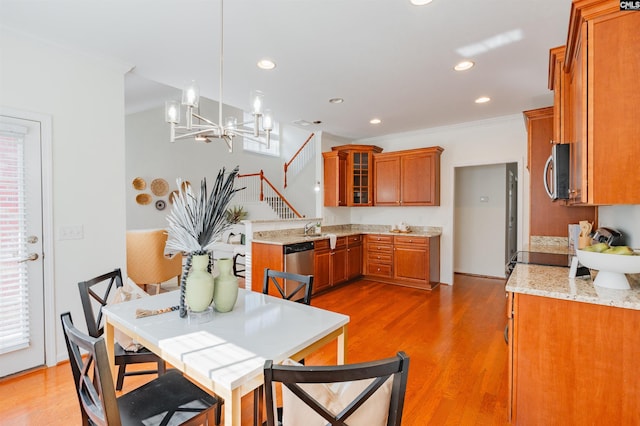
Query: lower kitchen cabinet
x=379, y=256
x=354, y=256
x=264, y=256
x=573, y=363
x=330, y=266
x=413, y=258
x=412, y=261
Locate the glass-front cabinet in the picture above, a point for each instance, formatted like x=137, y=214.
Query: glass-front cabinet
x=359, y=174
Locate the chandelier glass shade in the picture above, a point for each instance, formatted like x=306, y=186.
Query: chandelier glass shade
x=202, y=129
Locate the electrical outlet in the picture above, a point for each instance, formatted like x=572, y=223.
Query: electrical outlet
x=70, y=232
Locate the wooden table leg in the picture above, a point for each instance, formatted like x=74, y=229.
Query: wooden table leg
x=342, y=345
x=233, y=409
x=109, y=338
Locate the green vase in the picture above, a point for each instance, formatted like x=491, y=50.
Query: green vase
x=225, y=291
x=199, y=291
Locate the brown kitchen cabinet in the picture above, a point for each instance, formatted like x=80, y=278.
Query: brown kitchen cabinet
x=330, y=266
x=412, y=260
x=407, y=178
x=540, y=131
x=558, y=82
x=322, y=266
x=354, y=256
x=264, y=256
x=358, y=175
x=379, y=256
x=565, y=360
x=335, y=178
x=602, y=122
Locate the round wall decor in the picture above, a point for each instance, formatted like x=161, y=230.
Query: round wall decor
x=159, y=187
x=143, y=199
x=161, y=204
x=139, y=184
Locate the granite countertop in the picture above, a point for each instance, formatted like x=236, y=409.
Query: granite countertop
x=554, y=282
x=292, y=236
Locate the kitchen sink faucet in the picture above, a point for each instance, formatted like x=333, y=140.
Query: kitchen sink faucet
x=308, y=227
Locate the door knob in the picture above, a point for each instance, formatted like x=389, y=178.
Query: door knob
x=31, y=257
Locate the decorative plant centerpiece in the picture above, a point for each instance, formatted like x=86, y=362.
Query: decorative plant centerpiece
x=195, y=224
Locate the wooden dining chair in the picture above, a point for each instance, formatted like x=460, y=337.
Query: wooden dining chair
x=95, y=293
x=368, y=393
x=169, y=399
x=288, y=285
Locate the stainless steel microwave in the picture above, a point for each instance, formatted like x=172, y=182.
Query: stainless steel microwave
x=556, y=172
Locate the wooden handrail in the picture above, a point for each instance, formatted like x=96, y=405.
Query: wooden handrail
x=264, y=179
x=287, y=164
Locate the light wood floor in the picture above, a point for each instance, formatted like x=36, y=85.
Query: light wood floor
x=453, y=336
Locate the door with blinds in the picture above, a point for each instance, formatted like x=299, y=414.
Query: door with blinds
x=22, y=339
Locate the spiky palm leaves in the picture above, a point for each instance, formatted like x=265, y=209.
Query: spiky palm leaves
x=195, y=223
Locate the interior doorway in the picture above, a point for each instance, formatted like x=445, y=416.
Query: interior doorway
x=485, y=218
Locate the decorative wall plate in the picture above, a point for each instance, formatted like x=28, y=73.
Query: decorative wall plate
x=159, y=187
x=185, y=184
x=143, y=199
x=139, y=183
x=173, y=194
x=161, y=204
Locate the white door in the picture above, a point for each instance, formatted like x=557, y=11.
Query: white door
x=22, y=330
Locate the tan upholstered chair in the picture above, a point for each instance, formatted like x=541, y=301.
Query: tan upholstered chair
x=146, y=261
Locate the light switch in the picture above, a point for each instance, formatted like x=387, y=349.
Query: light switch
x=70, y=232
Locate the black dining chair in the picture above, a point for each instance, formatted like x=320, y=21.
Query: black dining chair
x=169, y=399
x=377, y=387
x=289, y=285
x=95, y=293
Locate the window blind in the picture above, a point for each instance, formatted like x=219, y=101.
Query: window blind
x=14, y=291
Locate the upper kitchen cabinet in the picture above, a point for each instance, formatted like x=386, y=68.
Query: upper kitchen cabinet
x=358, y=175
x=407, y=178
x=559, y=84
x=335, y=178
x=602, y=65
x=540, y=130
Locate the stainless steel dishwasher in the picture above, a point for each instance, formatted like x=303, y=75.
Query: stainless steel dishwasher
x=298, y=259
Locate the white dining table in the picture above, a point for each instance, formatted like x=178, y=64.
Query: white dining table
x=226, y=354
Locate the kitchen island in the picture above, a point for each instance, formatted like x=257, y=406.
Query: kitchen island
x=574, y=349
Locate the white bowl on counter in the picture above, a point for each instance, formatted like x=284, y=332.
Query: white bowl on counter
x=611, y=267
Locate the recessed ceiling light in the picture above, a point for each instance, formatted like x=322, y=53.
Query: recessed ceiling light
x=266, y=64
x=464, y=65
x=375, y=121
x=420, y=2
x=483, y=99
x=336, y=100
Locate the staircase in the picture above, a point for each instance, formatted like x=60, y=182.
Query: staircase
x=259, y=188
x=305, y=154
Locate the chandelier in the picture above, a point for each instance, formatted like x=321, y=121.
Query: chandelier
x=203, y=129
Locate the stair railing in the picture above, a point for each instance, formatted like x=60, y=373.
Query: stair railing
x=302, y=159
x=256, y=189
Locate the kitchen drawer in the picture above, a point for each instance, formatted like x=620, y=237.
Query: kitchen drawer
x=381, y=248
x=375, y=268
x=354, y=239
x=321, y=244
x=341, y=242
x=379, y=257
x=412, y=241
x=385, y=239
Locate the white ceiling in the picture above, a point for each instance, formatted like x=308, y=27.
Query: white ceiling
x=386, y=58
